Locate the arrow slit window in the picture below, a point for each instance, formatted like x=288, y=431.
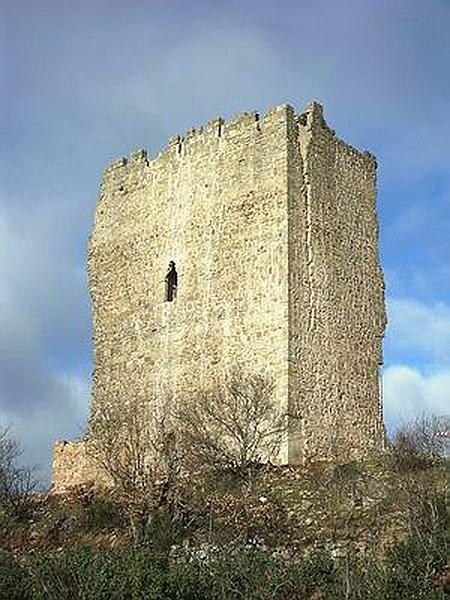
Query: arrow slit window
x=171, y=283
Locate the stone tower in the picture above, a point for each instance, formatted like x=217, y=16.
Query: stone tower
x=271, y=225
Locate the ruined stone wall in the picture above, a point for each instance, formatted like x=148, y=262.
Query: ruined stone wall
x=74, y=465
x=337, y=316
x=215, y=202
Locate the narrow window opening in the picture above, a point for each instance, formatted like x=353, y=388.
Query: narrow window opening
x=171, y=282
x=219, y=131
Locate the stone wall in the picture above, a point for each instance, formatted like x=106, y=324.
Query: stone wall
x=73, y=465
x=272, y=226
x=337, y=316
x=214, y=202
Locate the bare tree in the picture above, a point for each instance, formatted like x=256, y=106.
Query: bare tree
x=134, y=442
x=17, y=483
x=234, y=424
x=417, y=442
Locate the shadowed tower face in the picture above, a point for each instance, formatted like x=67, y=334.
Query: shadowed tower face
x=254, y=243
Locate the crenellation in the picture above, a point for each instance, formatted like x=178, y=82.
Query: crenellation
x=276, y=110
x=172, y=148
x=240, y=121
x=138, y=157
x=114, y=175
x=117, y=164
x=194, y=133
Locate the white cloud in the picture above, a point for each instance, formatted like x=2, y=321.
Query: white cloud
x=409, y=393
x=414, y=326
x=417, y=332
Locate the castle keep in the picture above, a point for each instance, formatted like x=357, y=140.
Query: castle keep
x=270, y=229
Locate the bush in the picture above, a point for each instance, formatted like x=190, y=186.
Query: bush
x=14, y=579
x=411, y=566
x=96, y=574
x=101, y=513
x=407, y=572
x=141, y=573
x=416, y=445
x=220, y=573
x=17, y=483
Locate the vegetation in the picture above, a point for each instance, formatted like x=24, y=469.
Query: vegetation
x=373, y=529
x=408, y=572
x=416, y=444
x=135, y=445
x=233, y=425
x=17, y=483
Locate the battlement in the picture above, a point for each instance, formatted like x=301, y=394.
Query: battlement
x=220, y=131
x=218, y=128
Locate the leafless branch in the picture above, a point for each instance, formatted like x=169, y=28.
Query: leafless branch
x=417, y=442
x=17, y=483
x=133, y=440
x=234, y=424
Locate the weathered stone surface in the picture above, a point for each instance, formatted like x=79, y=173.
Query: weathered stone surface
x=272, y=225
x=71, y=465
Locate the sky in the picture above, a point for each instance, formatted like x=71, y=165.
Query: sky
x=82, y=83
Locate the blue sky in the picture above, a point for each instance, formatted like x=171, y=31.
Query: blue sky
x=85, y=82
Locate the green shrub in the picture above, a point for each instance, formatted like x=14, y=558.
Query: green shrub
x=163, y=531
x=140, y=573
x=97, y=575
x=411, y=565
x=407, y=573
x=101, y=513
x=14, y=580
